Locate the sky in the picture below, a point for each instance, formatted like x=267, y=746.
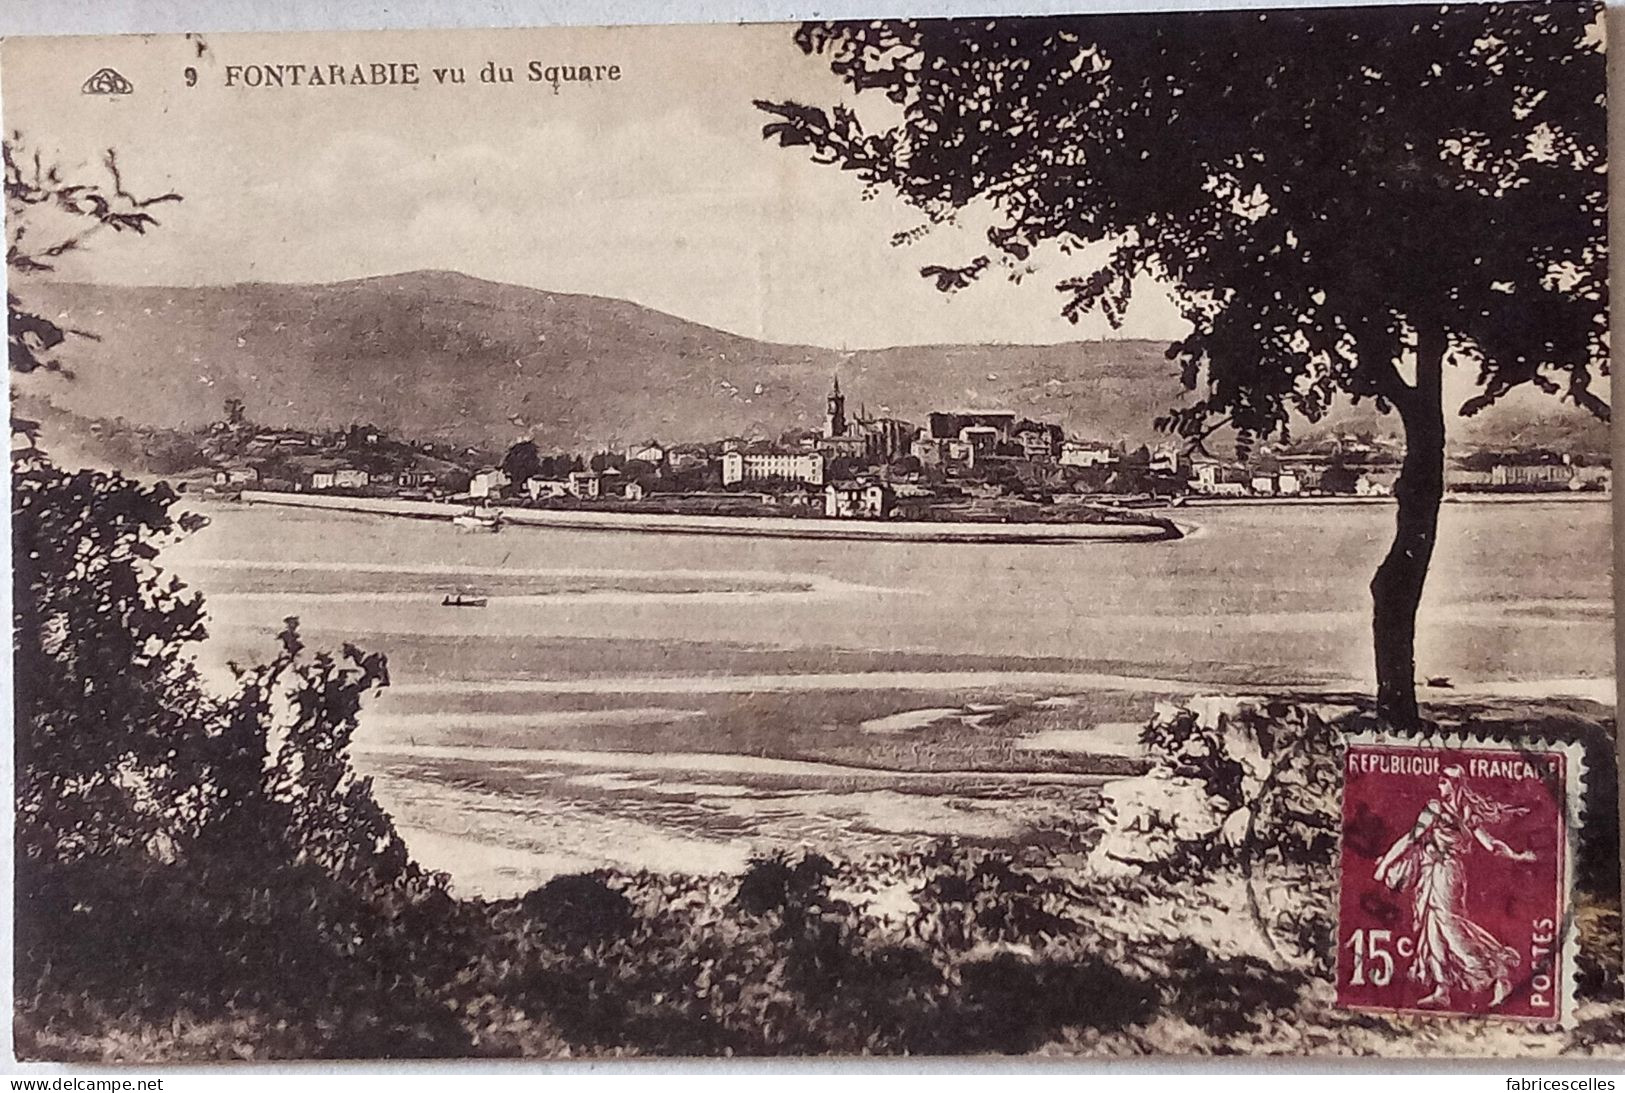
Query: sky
x=656, y=188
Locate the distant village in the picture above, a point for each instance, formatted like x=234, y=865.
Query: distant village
x=972, y=465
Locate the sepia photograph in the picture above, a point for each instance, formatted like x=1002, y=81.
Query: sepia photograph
x=1069, y=536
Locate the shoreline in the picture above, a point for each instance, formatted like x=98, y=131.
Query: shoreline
x=1598, y=497
x=758, y=526
x=484, y=838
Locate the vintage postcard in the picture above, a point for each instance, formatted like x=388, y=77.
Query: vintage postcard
x=1085, y=536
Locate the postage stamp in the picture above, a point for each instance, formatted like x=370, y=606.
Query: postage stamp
x=1455, y=872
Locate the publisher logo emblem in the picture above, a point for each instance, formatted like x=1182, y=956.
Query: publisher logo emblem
x=107, y=81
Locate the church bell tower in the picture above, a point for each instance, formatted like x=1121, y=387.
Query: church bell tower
x=835, y=410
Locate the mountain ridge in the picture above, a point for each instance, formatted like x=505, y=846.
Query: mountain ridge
x=443, y=354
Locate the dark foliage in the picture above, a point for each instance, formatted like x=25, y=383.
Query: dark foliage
x=342, y=972
x=580, y=907
x=993, y=899
x=522, y=463
x=773, y=883
x=797, y=971
x=1597, y=967
x=97, y=643
x=1014, y=1005
x=1323, y=173
x=1225, y=996
x=179, y=852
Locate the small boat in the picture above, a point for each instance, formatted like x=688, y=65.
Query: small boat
x=459, y=599
x=478, y=521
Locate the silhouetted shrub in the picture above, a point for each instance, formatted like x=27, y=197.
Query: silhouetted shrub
x=150, y=942
x=969, y=897
x=1013, y=1004
x=1225, y=995
x=185, y=853
x=774, y=883
x=580, y=907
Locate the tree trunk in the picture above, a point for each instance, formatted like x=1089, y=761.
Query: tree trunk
x=1396, y=589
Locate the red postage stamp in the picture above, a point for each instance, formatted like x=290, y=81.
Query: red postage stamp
x=1455, y=867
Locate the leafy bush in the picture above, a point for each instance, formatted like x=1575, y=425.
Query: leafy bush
x=580, y=907
x=773, y=883
x=342, y=971
x=100, y=683
x=985, y=898
x=120, y=747
x=1014, y=1005
x=1224, y=996
x=1271, y=768
x=182, y=852
x=772, y=962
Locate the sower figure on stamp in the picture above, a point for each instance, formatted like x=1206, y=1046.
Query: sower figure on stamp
x=1430, y=861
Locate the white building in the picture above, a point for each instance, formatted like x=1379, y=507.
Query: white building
x=1375, y=483
x=344, y=478
x=1206, y=473
x=858, y=500
x=1080, y=453
x=236, y=476
x=647, y=453
x=539, y=488
x=1503, y=474
x=685, y=459
x=983, y=438
x=587, y=485
x=1165, y=461
x=1037, y=444
x=487, y=482
x=765, y=466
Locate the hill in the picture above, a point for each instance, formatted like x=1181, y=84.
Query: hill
x=433, y=354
